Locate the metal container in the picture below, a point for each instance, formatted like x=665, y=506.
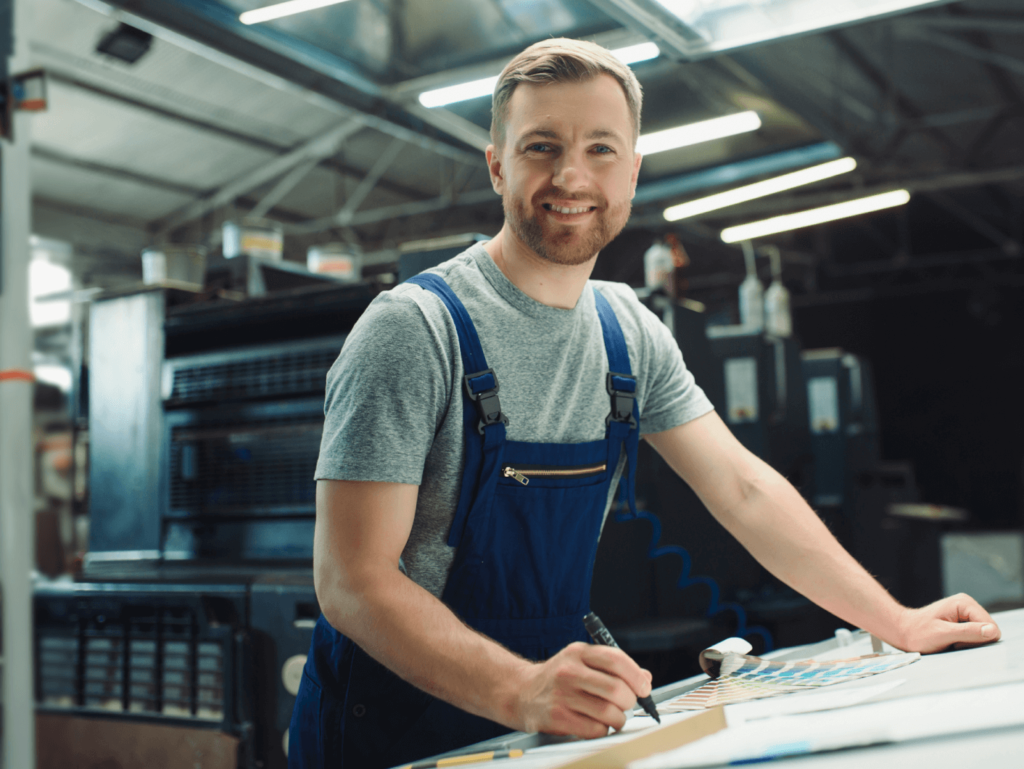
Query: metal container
x=336, y=260
x=261, y=238
x=177, y=266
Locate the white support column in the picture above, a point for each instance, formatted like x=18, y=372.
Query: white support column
x=17, y=524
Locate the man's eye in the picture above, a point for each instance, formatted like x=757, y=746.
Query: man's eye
x=538, y=148
x=603, y=149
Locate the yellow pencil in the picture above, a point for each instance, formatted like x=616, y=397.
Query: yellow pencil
x=470, y=758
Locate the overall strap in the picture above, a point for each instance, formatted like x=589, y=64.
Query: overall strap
x=484, y=418
x=623, y=419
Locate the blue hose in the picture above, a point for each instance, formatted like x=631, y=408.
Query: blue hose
x=715, y=605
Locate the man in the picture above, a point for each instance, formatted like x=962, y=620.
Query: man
x=456, y=527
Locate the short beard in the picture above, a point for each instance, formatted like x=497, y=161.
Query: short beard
x=558, y=247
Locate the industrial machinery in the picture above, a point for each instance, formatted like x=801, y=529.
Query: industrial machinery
x=197, y=605
x=765, y=398
x=843, y=422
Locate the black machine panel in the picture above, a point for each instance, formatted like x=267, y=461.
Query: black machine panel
x=219, y=446
x=766, y=399
x=242, y=435
x=843, y=422
x=221, y=657
x=168, y=654
x=287, y=370
x=205, y=431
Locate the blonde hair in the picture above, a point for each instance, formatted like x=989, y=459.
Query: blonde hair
x=561, y=60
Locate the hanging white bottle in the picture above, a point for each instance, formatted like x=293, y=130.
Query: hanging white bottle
x=777, y=316
x=658, y=266
x=751, y=293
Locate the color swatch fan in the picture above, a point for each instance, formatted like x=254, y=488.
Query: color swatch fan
x=738, y=677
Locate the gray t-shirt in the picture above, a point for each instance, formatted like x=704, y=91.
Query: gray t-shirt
x=394, y=404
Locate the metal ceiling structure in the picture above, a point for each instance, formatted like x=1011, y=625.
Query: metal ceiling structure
x=313, y=120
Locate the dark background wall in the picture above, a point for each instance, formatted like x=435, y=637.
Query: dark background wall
x=949, y=372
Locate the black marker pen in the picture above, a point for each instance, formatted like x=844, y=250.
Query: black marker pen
x=600, y=634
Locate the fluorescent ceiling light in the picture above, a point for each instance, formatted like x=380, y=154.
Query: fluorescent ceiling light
x=815, y=216
x=631, y=54
x=695, y=133
x=439, y=97
x=760, y=189
x=278, y=10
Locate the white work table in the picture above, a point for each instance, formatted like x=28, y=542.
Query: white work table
x=952, y=682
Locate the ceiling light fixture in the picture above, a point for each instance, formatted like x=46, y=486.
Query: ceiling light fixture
x=695, y=133
x=760, y=189
x=439, y=97
x=279, y=10
x=815, y=216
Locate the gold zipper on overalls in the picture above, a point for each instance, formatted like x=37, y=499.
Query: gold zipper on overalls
x=550, y=472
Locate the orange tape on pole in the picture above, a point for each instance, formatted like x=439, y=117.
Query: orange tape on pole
x=18, y=375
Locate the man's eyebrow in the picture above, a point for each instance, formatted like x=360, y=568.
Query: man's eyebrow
x=604, y=133
x=540, y=133
x=597, y=133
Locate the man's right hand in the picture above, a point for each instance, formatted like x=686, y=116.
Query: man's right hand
x=581, y=691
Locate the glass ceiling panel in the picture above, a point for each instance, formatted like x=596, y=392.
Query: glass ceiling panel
x=720, y=25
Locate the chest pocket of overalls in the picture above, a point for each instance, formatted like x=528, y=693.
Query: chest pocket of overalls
x=547, y=509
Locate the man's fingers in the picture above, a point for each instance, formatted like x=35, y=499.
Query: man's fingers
x=973, y=632
x=970, y=610
x=598, y=710
x=617, y=663
x=599, y=685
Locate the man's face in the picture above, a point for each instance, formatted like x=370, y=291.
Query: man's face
x=567, y=171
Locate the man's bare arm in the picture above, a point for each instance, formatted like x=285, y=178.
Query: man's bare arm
x=361, y=530
x=771, y=520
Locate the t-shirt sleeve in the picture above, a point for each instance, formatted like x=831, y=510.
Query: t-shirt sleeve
x=674, y=397
x=387, y=394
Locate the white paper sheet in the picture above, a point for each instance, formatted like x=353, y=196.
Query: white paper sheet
x=940, y=714
x=804, y=702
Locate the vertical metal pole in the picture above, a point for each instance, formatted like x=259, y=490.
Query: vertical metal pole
x=17, y=523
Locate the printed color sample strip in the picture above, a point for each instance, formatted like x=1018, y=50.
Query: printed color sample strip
x=749, y=678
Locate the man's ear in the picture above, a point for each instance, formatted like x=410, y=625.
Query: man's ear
x=636, y=174
x=495, y=169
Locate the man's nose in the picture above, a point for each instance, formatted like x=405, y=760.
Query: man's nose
x=570, y=172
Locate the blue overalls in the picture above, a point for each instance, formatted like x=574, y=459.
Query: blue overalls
x=525, y=531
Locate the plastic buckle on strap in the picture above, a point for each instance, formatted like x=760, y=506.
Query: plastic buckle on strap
x=622, y=399
x=488, y=407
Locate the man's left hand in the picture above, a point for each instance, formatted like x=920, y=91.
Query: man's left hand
x=958, y=622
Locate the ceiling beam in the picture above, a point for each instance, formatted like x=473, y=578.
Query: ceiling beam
x=412, y=88
x=284, y=185
x=122, y=174
x=162, y=29
x=115, y=87
x=452, y=124
x=383, y=162
x=315, y=149
x=1010, y=25
x=975, y=222
x=971, y=51
x=640, y=18
x=400, y=211
x=906, y=109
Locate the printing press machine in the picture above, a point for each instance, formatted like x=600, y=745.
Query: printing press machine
x=194, y=612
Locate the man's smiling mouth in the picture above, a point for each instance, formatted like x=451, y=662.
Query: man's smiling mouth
x=561, y=210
